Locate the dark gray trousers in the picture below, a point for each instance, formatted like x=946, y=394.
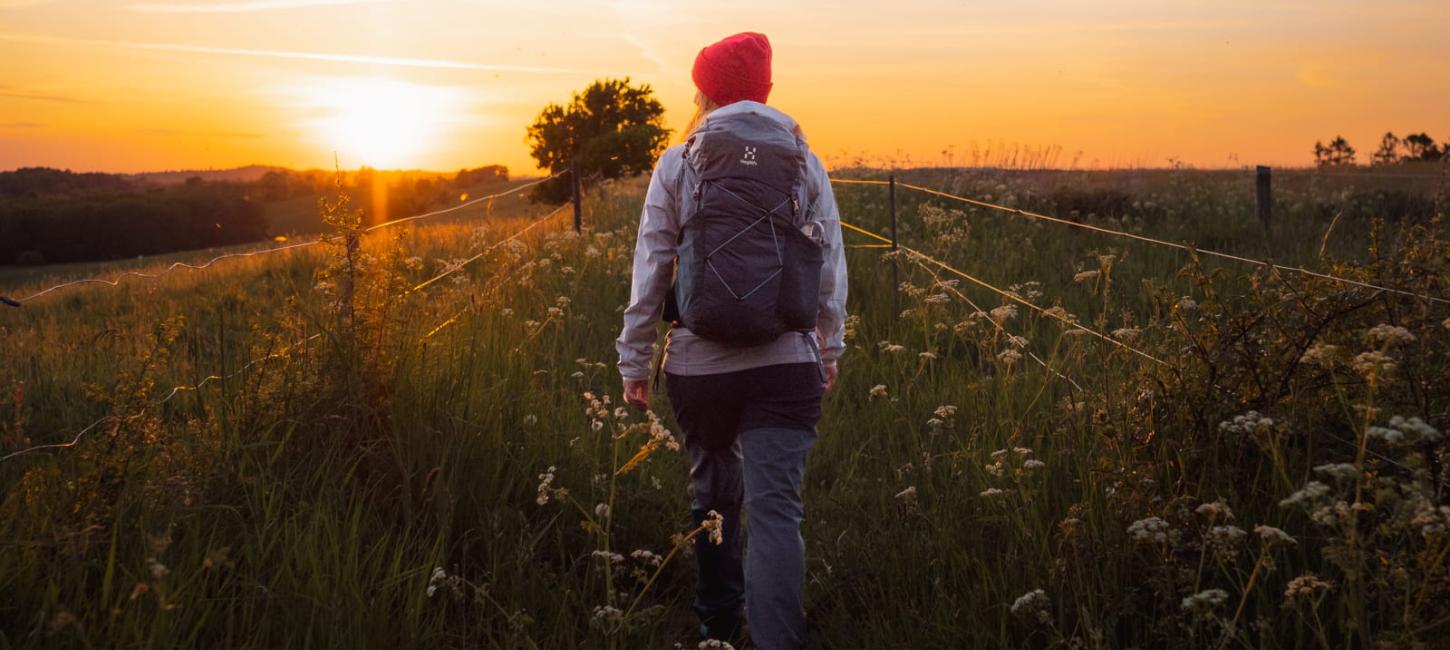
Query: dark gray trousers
x=748, y=434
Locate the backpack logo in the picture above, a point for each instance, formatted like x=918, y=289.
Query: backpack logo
x=749, y=157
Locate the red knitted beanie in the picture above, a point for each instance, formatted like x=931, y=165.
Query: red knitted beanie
x=734, y=69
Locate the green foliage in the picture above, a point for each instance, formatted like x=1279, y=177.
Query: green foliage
x=610, y=130
x=73, y=225
x=1336, y=153
x=455, y=474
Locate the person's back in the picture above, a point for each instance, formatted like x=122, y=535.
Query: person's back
x=747, y=399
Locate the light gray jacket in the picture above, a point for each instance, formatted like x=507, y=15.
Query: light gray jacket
x=654, y=256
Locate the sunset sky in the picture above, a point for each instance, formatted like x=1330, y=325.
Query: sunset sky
x=132, y=85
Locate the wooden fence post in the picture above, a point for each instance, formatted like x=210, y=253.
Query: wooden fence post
x=578, y=210
x=1264, y=203
x=895, y=264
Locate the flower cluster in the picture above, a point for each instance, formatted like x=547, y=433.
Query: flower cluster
x=1033, y=606
x=714, y=525
x=546, y=487
x=1152, y=530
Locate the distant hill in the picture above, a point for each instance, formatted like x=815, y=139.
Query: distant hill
x=50, y=216
x=29, y=182
x=248, y=174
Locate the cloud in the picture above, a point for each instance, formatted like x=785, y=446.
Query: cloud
x=240, y=7
x=16, y=4
x=249, y=6
x=12, y=92
x=207, y=134
x=20, y=125
x=445, y=64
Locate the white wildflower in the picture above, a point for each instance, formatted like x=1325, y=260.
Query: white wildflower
x=1204, y=602
x=1084, y=276
x=1009, y=356
x=1151, y=530
x=1320, y=354
x=1215, y=510
x=546, y=482
x=1034, y=606
x=1033, y=464
x=992, y=492
x=1306, y=586
x=1332, y=514
x=606, y=613
x=1373, y=364
x=646, y=557
x=1126, y=333
x=1312, y=492
x=1225, y=536
x=607, y=556
x=879, y=390
x=1251, y=422
x=1272, y=535
x=1416, y=426
x=1391, y=436
x=1338, y=471
x=907, y=495
x=157, y=569
x=601, y=511
x=436, y=580
x=1389, y=334
x=715, y=526
x=1004, y=313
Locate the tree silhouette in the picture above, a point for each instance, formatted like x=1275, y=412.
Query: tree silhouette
x=1389, y=151
x=1420, y=146
x=611, y=129
x=1337, y=153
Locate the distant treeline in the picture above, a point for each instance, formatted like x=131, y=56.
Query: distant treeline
x=67, y=217
x=1413, y=148
x=51, y=216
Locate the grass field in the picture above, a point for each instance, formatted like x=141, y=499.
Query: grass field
x=386, y=467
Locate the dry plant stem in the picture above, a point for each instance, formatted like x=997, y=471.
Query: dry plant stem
x=674, y=550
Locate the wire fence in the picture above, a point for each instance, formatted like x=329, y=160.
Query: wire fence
x=1188, y=248
x=927, y=262
x=116, y=280
x=288, y=350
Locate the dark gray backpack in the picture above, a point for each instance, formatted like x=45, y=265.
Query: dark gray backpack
x=746, y=272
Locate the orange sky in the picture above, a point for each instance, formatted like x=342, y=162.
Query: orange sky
x=130, y=85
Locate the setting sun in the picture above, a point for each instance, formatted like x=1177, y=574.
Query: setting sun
x=377, y=121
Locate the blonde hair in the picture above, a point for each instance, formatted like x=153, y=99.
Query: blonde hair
x=703, y=106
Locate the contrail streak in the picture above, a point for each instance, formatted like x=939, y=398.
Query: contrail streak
x=411, y=62
x=241, y=7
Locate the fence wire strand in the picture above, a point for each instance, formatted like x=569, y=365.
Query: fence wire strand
x=1000, y=329
x=1184, y=247
x=285, y=351
x=1008, y=294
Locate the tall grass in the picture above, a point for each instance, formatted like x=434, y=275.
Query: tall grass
x=446, y=467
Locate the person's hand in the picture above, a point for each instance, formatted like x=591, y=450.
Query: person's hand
x=636, y=392
x=831, y=373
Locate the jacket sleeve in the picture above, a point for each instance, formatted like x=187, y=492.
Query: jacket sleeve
x=654, y=257
x=831, y=318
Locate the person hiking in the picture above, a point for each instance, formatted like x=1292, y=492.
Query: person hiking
x=740, y=249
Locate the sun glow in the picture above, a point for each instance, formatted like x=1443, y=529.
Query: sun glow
x=380, y=122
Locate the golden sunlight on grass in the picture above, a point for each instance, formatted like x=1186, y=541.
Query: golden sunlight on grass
x=378, y=121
